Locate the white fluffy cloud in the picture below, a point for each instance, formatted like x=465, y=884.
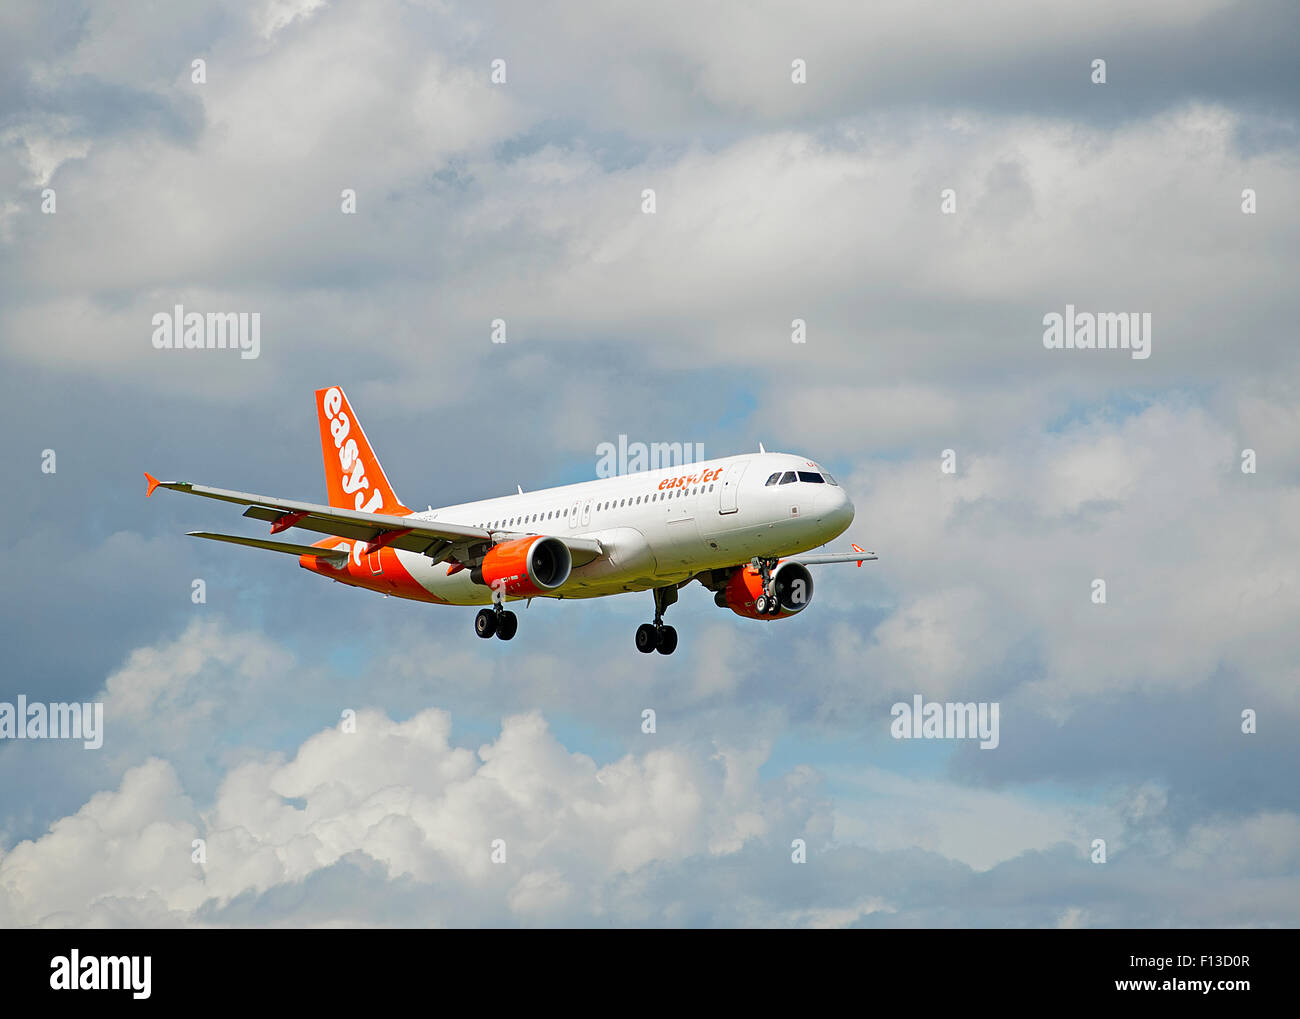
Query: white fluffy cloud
x=395, y=822
x=402, y=796
x=413, y=818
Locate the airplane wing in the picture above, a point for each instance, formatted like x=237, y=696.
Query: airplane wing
x=432, y=538
x=858, y=555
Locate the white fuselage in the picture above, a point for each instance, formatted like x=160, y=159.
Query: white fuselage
x=658, y=527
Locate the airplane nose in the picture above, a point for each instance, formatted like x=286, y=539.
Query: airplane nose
x=836, y=507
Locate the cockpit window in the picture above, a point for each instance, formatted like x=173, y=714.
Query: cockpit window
x=774, y=478
x=830, y=480
x=811, y=476
x=787, y=477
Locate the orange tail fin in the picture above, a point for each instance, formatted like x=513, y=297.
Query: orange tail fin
x=352, y=472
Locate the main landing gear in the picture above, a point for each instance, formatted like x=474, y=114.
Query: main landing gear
x=767, y=603
x=496, y=620
x=656, y=636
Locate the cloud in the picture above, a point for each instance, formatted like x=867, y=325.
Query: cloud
x=414, y=817
x=1003, y=554
x=400, y=795
x=886, y=810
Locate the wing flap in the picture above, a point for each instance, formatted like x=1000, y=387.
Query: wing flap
x=338, y=528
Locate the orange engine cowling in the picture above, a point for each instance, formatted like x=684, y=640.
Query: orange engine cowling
x=793, y=585
x=526, y=566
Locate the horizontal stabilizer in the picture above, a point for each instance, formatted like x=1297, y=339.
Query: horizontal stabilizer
x=335, y=555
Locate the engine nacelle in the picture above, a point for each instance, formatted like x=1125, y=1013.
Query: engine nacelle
x=526, y=567
x=793, y=583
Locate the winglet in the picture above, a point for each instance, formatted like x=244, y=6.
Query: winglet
x=152, y=482
x=859, y=548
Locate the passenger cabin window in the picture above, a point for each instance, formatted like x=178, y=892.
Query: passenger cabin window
x=774, y=478
x=787, y=477
x=810, y=476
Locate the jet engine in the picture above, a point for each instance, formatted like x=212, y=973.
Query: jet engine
x=791, y=582
x=526, y=567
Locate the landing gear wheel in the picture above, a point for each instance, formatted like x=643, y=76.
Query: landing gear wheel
x=485, y=623
x=647, y=638
x=507, y=624
x=767, y=603
x=655, y=636
x=667, y=640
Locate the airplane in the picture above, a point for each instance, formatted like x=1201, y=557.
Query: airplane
x=741, y=525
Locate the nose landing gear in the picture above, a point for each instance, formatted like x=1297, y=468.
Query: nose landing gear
x=767, y=603
x=656, y=636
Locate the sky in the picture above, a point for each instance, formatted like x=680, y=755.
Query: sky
x=942, y=179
